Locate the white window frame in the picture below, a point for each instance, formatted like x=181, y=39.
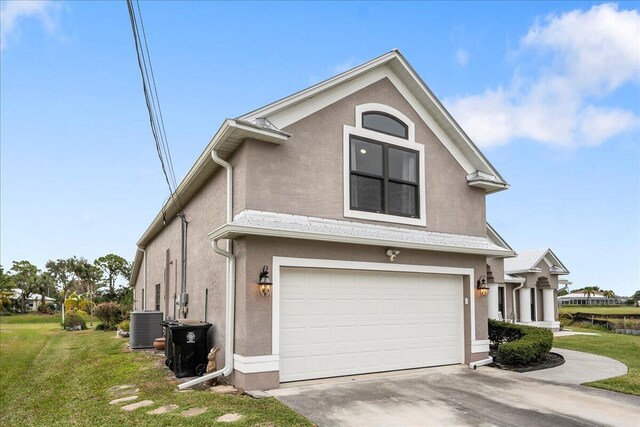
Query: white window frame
x=409, y=143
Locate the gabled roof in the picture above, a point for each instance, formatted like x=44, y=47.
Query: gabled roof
x=274, y=224
x=527, y=261
x=395, y=67
x=264, y=124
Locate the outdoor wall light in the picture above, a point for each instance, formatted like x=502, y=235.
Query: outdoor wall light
x=264, y=283
x=482, y=286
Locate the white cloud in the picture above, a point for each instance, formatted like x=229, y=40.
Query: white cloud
x=580, y=58
x=12, y=12
x=462, y=57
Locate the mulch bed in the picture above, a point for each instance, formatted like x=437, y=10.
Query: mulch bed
x=550, y=361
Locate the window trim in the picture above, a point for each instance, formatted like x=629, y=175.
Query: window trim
x=410, y=144
x=385, y=177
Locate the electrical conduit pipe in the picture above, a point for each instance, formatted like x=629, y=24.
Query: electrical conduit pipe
x=231, y=288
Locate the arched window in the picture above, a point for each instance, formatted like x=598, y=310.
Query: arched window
x=385, y=123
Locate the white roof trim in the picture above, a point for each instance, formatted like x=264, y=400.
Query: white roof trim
x=508, y=278
x=273, y=224
x=395, y=67
x=229, y=136
x=496, y=238
x=526, y=262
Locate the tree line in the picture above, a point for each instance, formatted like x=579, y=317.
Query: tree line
x=62, y=277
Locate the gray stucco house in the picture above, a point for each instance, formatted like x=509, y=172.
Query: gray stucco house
x=524, y=288
x=365, y=202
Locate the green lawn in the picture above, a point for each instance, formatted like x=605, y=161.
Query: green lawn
x=625, y=348
x=600, y=310
x=52, y=377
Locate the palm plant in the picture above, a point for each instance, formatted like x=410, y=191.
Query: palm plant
x=590, y=291
x=608, y=294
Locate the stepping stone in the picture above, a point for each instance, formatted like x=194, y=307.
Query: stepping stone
x=137, y=405
x=229, y=418
x=163, y=410
x=123, y=400
x=127, y=391
x=258, y=394
x=194, y=412
x=224, y=389
x=121, y=387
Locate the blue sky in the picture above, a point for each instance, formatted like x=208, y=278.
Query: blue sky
x=558, y=83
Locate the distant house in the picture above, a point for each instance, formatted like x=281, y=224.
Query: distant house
x=32, y=301
x=523, y=289
x=580, y=298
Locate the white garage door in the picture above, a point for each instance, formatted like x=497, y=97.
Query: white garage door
x=344, y=322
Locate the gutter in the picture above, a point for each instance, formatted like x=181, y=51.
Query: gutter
x=238, y=229
x=231, y=286
x=144, y=289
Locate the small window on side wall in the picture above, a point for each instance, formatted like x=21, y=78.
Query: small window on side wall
x=157, y=297
x=385, y=123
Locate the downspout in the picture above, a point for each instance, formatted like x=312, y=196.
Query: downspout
x=231, y=286
x=483, y=362
x=515, y=312
x=183, y=266
x=144, y=293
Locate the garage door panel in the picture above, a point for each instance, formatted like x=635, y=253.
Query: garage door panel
x=343, y=322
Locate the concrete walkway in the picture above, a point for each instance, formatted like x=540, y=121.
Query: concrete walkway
x=579, y=368
x=457, y=395
x=568, y=333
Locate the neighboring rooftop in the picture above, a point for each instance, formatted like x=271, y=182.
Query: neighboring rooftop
x=527, y=261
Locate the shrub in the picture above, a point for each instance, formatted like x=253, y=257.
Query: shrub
x=124, y=325
x=109, y=313
x=46, y=308
x=86, y=305
x=518, y=344
x=73, y=319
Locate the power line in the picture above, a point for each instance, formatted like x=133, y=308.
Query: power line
x=163, y=133
x=152, y=102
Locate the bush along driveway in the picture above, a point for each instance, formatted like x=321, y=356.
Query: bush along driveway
x=624, y=348
x=53, y=377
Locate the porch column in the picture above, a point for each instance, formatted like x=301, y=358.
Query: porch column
x=492, y=300
x=548, y=305
x=524, y=313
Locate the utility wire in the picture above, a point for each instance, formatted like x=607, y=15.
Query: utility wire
x=163, y=133
x=153, y=103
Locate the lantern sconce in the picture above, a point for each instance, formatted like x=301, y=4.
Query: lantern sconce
x=264, y=283
x=482, y=286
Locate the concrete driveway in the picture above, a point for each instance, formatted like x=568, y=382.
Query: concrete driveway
x=580, y=368
x=456, y=395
